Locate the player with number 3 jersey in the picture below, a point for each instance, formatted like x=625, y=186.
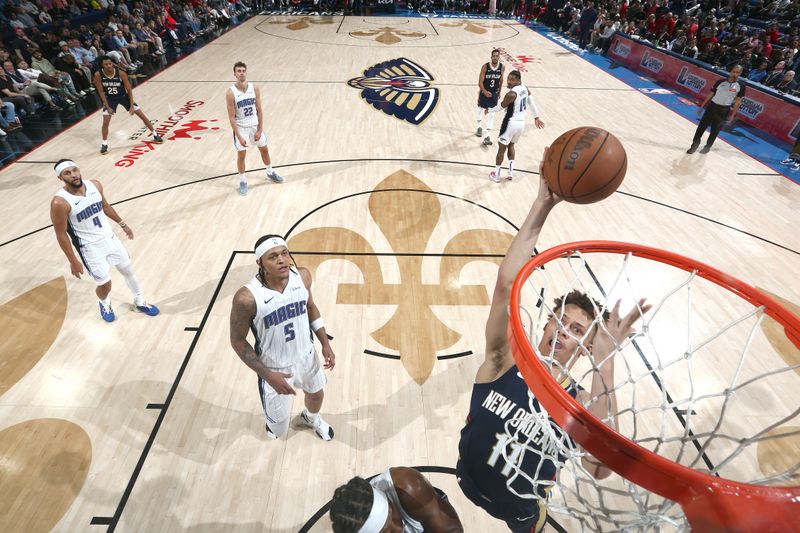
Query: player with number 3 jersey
x=247, y=121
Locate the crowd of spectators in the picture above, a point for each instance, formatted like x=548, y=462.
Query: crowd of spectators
x=764, y=38
x=49, y=48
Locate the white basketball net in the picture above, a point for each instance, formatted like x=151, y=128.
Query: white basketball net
x=705, y=382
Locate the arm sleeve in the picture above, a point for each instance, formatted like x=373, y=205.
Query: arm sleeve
x=741, y=90
x=532, y=106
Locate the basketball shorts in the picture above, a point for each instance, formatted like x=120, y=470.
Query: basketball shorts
x=512, y=131
x=527, y=517
x=307, y=375
x=99, y=257
x=120, y=102
x=249, y=136
x=487, y=102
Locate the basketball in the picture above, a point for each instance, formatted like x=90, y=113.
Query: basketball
x=585, y=165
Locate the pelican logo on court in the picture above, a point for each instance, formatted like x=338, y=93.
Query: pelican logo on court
x=399, y=88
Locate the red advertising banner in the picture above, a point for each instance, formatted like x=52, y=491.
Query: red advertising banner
x=758, y=108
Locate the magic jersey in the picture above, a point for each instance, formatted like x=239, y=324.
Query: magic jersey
x=516, y=111
x=113, y=86
x=244, y=104
x=281, y=328
x=491, y=78
x=501, y=437
x=383, y=483
x=86, y=223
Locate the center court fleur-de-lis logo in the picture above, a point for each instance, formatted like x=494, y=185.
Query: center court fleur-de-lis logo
x=407, y=213
x=303, y=22
x=478, y=28
x=388, y=35
x=400, y=88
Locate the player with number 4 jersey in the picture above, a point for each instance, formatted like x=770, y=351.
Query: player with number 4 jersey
x=80, y=215
x=247, y=121
x=277, y=307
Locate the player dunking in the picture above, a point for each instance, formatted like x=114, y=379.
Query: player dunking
x=398, y=500
x=482, y=471
x=247, y=121
x=490, y=83
x=115, y=89
x=515, y=102
x=80, y=214
x=276, y=305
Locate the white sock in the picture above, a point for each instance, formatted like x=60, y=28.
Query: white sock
x=311, y=416
x=497, y=170
x=480, y=116
x=107, y=302
x=105, y=142
x=269, y=169
x=489, y=121
x=510, y=167
x=242, y=179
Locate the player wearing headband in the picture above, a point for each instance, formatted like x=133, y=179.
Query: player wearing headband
x=276, y=305
x=398, y=500
x=80, y=215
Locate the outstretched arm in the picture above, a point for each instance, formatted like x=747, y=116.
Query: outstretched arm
x=605, y=343
x=315, y=321
x=498, y=357
x=421, y=501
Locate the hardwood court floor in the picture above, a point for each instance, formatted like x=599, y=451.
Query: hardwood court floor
x=412, y=228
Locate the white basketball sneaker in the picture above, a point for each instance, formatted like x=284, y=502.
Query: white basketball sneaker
x=322, y=429
x=495, y=176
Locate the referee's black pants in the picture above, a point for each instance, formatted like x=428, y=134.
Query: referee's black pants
x=714, y=116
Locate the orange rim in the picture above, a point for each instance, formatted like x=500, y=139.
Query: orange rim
x=710, y=503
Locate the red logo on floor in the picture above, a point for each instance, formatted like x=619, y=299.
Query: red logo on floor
x=173, y=124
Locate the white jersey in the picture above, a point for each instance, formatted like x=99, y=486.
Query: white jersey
x=283, y=334
x=86, y=223
x=383, y=482
x=516, y=111
x=244, y=103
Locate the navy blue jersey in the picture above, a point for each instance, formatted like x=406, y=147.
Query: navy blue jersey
x=500, y=418
x=113, y=86
x=491, y=78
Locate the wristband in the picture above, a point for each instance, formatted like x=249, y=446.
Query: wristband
x=317, y=324
x=122, y=224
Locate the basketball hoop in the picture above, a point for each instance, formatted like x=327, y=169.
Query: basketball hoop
x=709, y=502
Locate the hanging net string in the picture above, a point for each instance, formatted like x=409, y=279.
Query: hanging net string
x=686, y=386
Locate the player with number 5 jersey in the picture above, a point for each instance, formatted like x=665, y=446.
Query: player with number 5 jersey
x=80, y=215
x=247, y=120
x=277, y=307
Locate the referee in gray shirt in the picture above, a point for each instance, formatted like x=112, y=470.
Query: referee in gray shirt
x=724, y=99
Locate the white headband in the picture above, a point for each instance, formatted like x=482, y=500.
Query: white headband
x=378, y=515
x=64, y=165
x=272, y=242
